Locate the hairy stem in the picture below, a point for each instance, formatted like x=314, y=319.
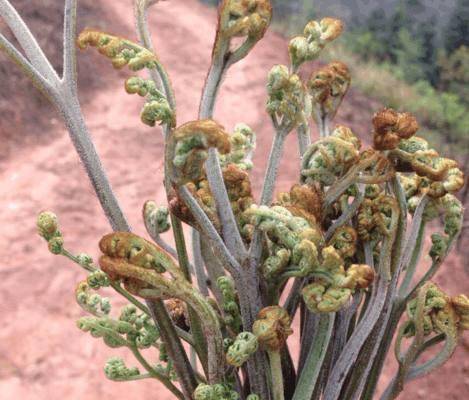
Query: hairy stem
x=276, y=375
x=27, y=41
x=155, y=374
x=317, y=353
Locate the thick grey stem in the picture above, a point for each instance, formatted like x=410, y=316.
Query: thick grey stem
x=70, y=110
x=199, y=263
x=26, y=40
x=272, y=169
x=230, y=230
x=70, y=33
x=304, y=138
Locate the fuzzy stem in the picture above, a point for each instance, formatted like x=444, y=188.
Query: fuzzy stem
x=200, y=343
x=412, y=266
x=199, y=263
x=70, y=53
x=64, y=97
x=70, y=109
x=317, y=353
x=212, y=85
x=346, y=215
x=159, y=75
x=155, y=374
x=365, y=327
x=155, y=236
x=272, y=168
x=41, y=83
x=304, y=138
x=176, y=352
x=230, y=230
x=27, y=40
x=276, y=374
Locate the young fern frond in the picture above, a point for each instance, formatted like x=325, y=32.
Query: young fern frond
x=340, y=234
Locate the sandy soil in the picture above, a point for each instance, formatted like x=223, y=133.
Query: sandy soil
x=42, y=354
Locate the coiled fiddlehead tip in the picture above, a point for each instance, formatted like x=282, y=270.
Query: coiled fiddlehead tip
x=190, y=143
x=215, y=392
x=249, y=18
x=156, y=217
x=272, y=327
x=47, y=224
x=329, y=85
x=121, y=51
x=244, y=346
x=116, y=370
x=361, y=275
x=390, y=127
x=326, y=30
x=461, y=306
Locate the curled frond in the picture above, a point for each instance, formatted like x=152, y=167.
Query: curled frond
x=112, y=332
x=272, y=327
x=215, y=392
x=189, y=146
x=324, y=31
x=243, y=347
x=322, y=299
x=121, y=51
x=441, y=175
x=390, y=127
x=287, y=99
x=303, y=201
x=375, y=217
x=98, y=279
x=156, y=217
x=442, y=314
x=48, y=228
x=229, y=303
x=328, y=87
x=91, y=302
x=116, y=370
x=156, y=107
x=344, y=241
x=47, y=225
x=330, y=158
x=316, y=35
x=138, y=251
x=243, y=143
x=242, y=18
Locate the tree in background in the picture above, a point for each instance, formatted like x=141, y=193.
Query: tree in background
x=429, y=56
x=457, y=31
x=455, y=72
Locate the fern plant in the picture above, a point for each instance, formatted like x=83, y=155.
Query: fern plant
x=340, y=249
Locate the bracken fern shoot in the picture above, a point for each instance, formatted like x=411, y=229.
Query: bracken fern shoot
x=340, y=249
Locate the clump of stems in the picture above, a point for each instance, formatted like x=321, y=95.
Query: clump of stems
x=342, y=246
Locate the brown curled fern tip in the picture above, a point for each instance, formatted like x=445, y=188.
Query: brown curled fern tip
x=242, y=18
x=390, y=127
x=304, y=201
x=328, y=87
x=272, y=327
x=188, y=146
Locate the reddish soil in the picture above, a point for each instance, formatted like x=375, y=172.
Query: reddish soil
x=42, y=354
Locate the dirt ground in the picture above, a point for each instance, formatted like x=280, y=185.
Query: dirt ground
x=42, y=353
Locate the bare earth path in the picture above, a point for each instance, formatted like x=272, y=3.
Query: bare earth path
x=42, y=354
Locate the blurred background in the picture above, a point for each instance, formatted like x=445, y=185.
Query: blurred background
x=412, y=55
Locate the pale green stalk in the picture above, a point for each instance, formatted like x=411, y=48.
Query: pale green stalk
x=317, y=353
